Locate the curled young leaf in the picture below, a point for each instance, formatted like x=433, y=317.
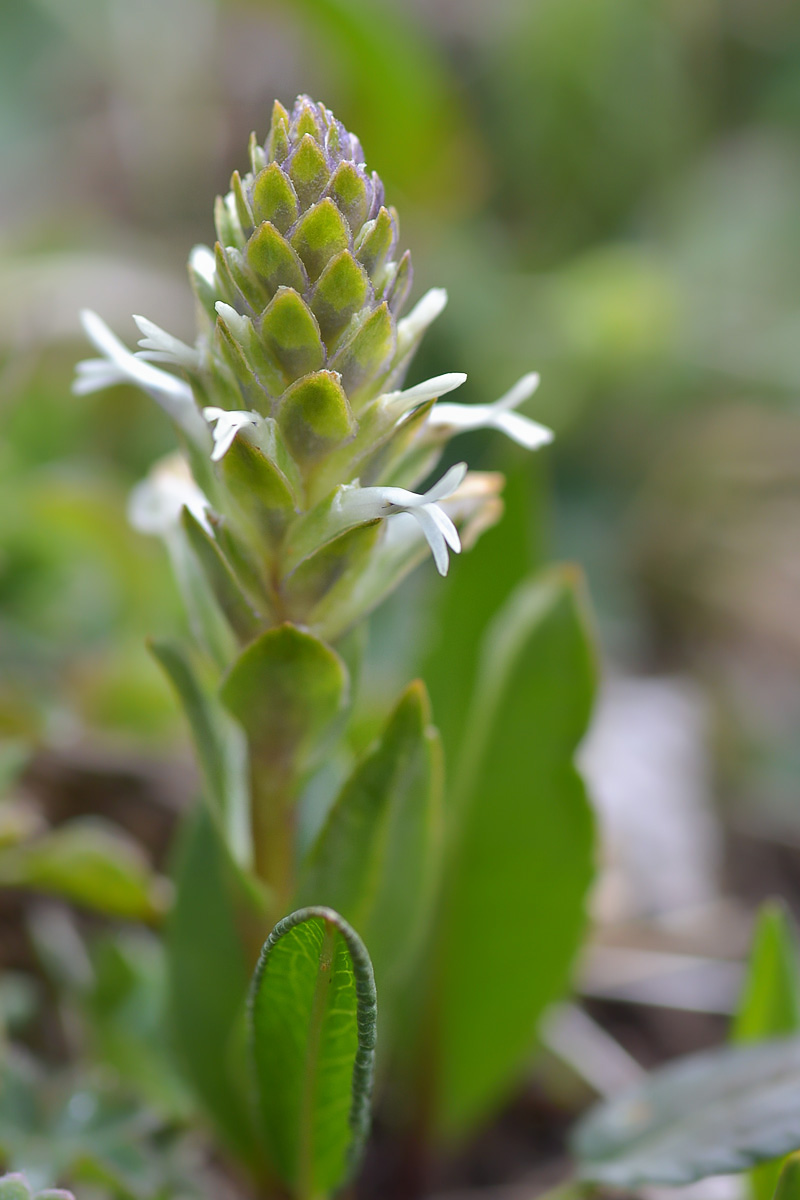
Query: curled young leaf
x=312, y=1029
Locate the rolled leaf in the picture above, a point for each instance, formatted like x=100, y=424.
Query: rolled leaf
x=312, y=1031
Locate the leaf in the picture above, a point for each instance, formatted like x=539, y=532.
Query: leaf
x=221, y=579
x=274, y=198
x=312, y=1028
x=788, y=1187
x=523, y=847
x=208, y=968
x=707, y=1114
x=770, y=1003
x=314, y=415
x=319, y=235
x=92, y=863
x=271, y=256
x=220, y=749
x=290, y=335
x=286, y=689
x=476, y=586
x=376, y=856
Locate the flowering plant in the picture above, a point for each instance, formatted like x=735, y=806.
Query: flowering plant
x=297, y=503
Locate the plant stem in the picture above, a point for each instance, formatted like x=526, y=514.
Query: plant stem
x=273, y=822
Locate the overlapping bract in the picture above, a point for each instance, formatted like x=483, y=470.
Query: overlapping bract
x=291, y=408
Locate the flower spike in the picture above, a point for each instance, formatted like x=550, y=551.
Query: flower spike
x=294, y=394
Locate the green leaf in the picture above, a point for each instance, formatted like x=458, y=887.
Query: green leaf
x=286, y=689
x=243, y=210
x=349, y=191
x=376, y=857
x=398, y=284
x=92, y=863
x=522, y=859
x=312, y=1025
x=320, y=234
x=788, y=1187
x=228, y=591
x=263, y=479
x=769, y=1005
x=318, y=580
x=340, y=293
x=208, y=974
x=308, y=170
x=276, y=262
x=476, y=586
x=314, y=415
x=367, y=352
x=376, y=242
x=274, y=198
x=708, y=1114
x=219, y=746
x=291, y=335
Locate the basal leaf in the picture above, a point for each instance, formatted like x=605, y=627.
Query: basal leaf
x=376, y=856
x=770, y=1001
x=769, y=1005
x=789, y=1182
x=522, y=854
x=312, y=1027
x=708, y=1114
x=92, y=863
x=208, y=974
x=476, y=586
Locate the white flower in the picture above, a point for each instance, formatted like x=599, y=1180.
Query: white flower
x=160, y=346
x=411, y=328
x=431, y=389
x=458, y=418
x=155, y=504
x=227, y=423
x=119, y=365
x=366, y=504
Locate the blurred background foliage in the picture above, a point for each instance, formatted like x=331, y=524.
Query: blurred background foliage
x=608, y=189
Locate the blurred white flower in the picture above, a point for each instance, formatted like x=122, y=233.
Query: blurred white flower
x=155, y=505
x=119, y=365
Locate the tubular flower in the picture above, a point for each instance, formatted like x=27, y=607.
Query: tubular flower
x=303, y=442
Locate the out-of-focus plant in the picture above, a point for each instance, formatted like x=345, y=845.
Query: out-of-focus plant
x=289, y=515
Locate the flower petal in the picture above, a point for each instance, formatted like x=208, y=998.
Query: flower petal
x=164, y=345
x=522, y=390
x=433, y=536
x=451, y=480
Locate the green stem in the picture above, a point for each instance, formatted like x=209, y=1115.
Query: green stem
x=273, y=822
